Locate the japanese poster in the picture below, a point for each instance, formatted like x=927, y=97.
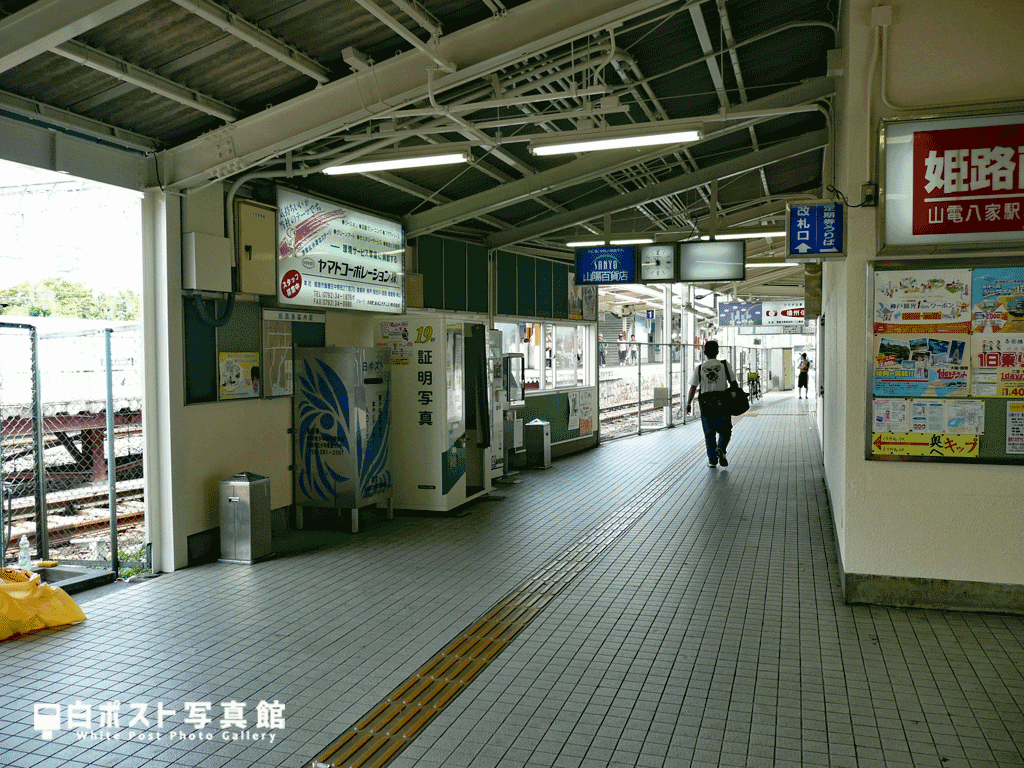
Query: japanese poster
x=338, y=258
x=925, y=444
x=998, y=365
x=277, y=348
x=782, y=312
x=965, y=417
x=586, y=406
x=277, y=357
x=921, y=366
x=923, y=301
x=239, y=375
x=1015, y=427
x=396, y=338
x=968, y=180
x=927, y=416
x=890, y=415
x=574, y=410
x=997, y=296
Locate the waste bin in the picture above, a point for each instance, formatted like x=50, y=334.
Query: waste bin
x=244, y=518
x=538, y=444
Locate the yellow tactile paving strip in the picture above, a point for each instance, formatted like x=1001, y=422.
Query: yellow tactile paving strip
x=376, y=738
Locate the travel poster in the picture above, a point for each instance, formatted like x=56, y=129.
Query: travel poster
x=997, y=297
x=923, y=301
x=997, y=365
x=921, y=366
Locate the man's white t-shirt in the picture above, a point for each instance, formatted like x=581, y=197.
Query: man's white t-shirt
x=712, y=376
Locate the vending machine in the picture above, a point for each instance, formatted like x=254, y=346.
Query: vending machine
x=443, y=395
x=342, y=428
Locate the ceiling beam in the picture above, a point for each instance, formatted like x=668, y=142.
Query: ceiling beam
x=527, y=30
x=75, y=123
x=596, y=164
x=258, y=38
x=48, y=23
x=808, y=142
x=149, y=81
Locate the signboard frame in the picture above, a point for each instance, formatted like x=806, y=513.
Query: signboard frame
x=619, y=274
x=817, y=255
x=896, y=147
x=372, y=280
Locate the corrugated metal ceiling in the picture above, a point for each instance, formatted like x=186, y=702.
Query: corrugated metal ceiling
x=659, y=69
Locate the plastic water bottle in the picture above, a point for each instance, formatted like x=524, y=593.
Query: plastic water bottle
x=23, y=552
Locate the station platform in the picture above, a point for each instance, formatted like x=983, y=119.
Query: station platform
x=628, y=607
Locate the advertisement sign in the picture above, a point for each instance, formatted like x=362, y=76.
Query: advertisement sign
x=586, y=406
x=953, y=180
x=921, y=366
x=968, y=180
x=739, y=313
x=239, y=375
x=923, y=301
x=997, y=297
x=606, y=265
x=334, y=257
x=782, y=312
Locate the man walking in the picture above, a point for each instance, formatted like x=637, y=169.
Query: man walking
x=711, y=378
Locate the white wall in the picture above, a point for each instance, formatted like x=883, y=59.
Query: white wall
x=192, y=448
x=952, y=522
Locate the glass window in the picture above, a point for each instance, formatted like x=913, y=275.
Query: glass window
x=556, y=355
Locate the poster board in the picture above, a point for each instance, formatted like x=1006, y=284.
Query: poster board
x=946, y=362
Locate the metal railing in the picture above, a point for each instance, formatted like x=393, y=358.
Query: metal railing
x=643, y=387
x=71, y=445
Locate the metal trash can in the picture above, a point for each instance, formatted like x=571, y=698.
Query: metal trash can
x=244, y=518
x=538, y=444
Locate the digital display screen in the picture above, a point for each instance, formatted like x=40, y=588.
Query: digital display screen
x=712, y=260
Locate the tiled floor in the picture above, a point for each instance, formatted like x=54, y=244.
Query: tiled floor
x=708, y=633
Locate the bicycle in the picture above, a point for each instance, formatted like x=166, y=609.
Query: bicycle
x=754, y=385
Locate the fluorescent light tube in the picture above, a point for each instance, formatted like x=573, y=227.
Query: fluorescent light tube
x=634, y=241
x=396, y=163
x=620, y=142
x=585, y=244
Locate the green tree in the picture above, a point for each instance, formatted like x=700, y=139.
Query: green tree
x=57, y=297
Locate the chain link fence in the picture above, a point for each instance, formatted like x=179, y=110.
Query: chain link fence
x=71, y=444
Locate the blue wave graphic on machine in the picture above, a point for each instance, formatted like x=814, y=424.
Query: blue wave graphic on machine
x=325, y=430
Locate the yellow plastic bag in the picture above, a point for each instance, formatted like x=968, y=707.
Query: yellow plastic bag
x=28, y=605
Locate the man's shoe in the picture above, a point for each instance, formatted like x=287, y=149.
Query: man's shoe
x=721, y=458
x=712, y=464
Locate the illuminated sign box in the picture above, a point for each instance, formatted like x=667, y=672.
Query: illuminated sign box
x=606, y=265
x=712, y=261
x=332, y=257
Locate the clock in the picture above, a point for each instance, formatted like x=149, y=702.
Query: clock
x=658, y=263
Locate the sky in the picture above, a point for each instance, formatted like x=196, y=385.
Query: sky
x=55, y=225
